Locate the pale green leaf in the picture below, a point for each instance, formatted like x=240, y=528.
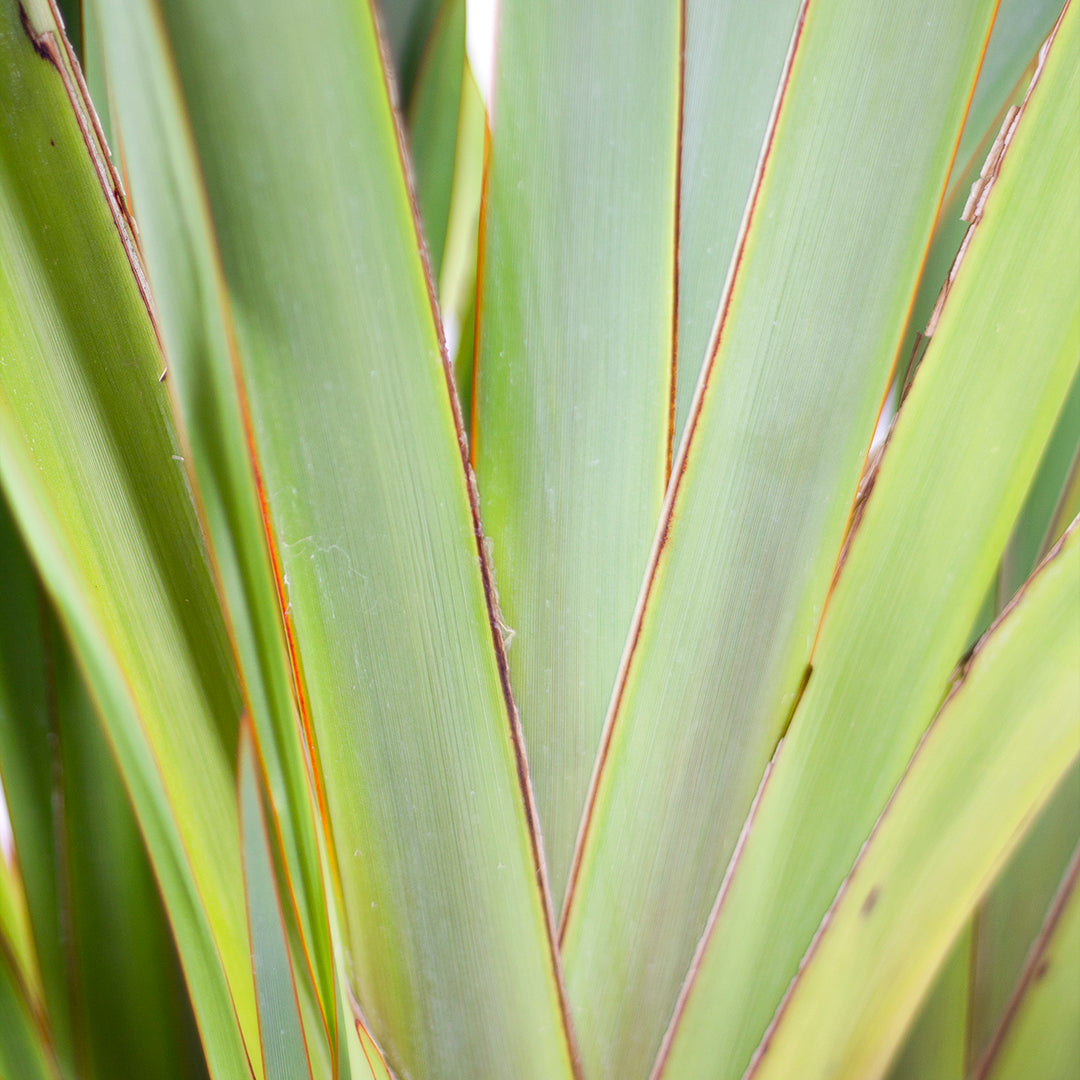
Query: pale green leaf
x=414, y=743
x=733, y=59
x=572, y=387
x=765, y=479
x=1000, y=744
x=953, y=477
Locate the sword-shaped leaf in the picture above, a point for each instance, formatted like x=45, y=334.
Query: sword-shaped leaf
x=96, y=479
x=353, y=432
x=572, y=386
x=433, y=125
x=199, y=341
x=991, y=758
x=285, y=1052
x=1008, y=921
x=962, y=455
x=109, y=983
x=734, y=57
x=828, y=260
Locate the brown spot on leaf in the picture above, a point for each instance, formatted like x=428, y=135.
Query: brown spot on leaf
x=871, y=901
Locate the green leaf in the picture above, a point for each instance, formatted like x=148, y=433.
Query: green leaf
x=30, y=765
x=734, y=57
x=1039, y=1035
x=368, y=1053
x=1009, y=919
x=763, y=487
x=280, y=1027
x=1020, y=27
x=1000, y=744
x=16, y=931
x=91, y=465
x=200, y=341
x=415, y=750
x=433, y=124
x=24, y=1048
x=572, y=387
x=407, y=26
x=953, y=477
x=447, y=129
x=1040, y=522
x=457, y=274
x=88, y=881
x=935, y=1046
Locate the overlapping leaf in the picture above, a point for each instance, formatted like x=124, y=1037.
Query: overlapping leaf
x=764, y=484
x=1039, y=1035
x=96, y=479
x=399, y=670
x=952, y=480
x=572, y=388
x=1003, y=740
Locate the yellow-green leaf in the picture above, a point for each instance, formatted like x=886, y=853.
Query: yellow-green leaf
x=763, y=486
x=961, y=457
x=1000, y=744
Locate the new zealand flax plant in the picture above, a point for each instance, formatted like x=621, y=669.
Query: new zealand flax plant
x=543, y=560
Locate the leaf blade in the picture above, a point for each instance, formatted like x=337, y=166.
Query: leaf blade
x=757, y=509
x=382, y=586
x=991, y=758
x=948, y=489
x=1039, y=1031
x=104, y=530
x=573, y=369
